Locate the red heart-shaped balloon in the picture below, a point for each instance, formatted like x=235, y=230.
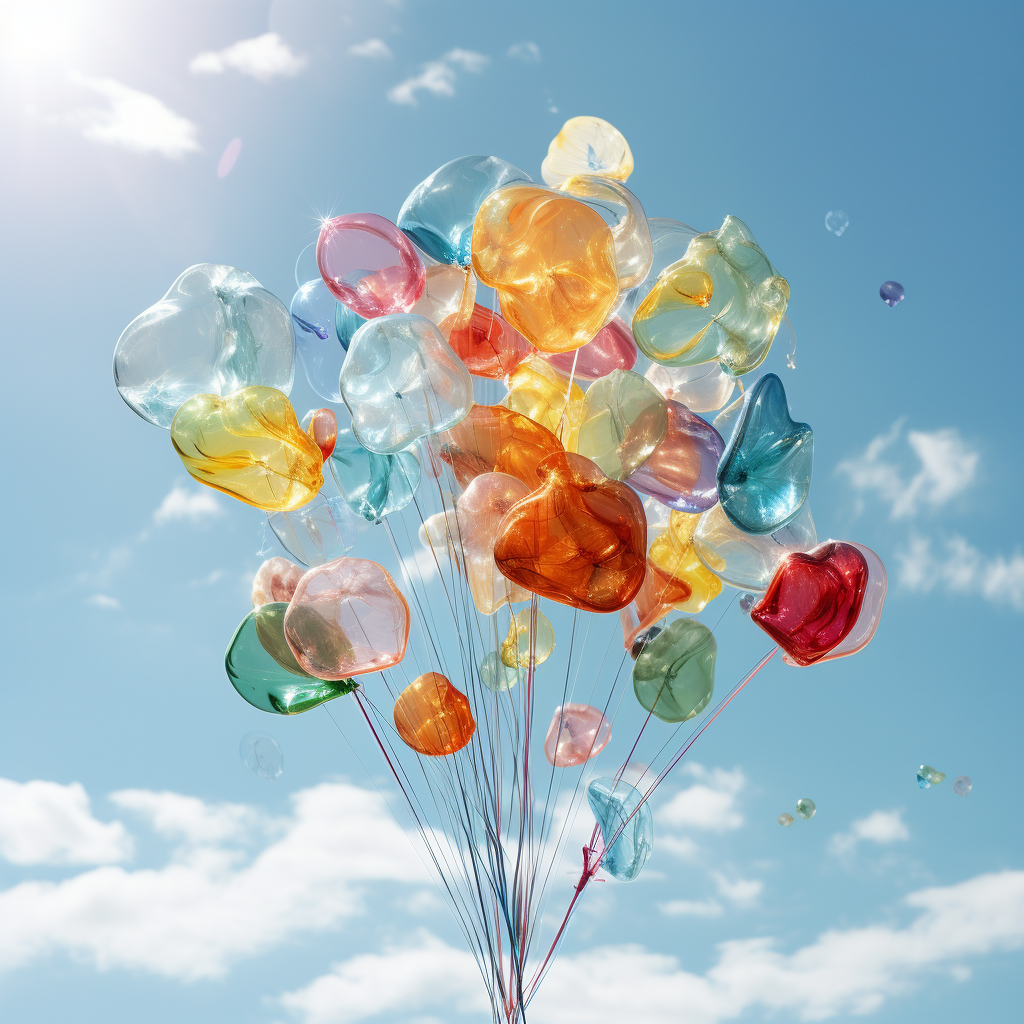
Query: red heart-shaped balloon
x=813, y=600
x=580, y=538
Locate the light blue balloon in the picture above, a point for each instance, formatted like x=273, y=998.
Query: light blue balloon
x=612, y=803
x=373, y=485
x=439, y=212
x=319, y=532
x=319, y=343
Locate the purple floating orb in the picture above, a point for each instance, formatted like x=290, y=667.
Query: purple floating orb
x=681, y=471
x=891, y=292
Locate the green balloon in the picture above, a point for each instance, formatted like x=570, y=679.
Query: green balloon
x=674, y=676
x=262, y=668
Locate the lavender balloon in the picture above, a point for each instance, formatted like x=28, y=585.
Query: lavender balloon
x=892, y=293
x=681, y=471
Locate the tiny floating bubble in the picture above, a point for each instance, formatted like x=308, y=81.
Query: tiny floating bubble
x=805, y=808
x=892, y=293
x=747, y=602
x=928, y=776
x=963, y=785
x=261, y=755
x=785, y=819
x=836, y=221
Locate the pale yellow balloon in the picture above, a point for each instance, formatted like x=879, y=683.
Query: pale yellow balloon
x=587, y=145
x=515, y=649
x=673, y=551
x=537, y=390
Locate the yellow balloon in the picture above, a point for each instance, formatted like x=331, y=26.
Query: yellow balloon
x=249, y=444
x=537, y=390
x=587, y=145
x=673, y=552
x=552, y=261
x=515, y=648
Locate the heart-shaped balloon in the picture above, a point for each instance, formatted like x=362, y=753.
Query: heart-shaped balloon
x=579, y=538
x=814, y=600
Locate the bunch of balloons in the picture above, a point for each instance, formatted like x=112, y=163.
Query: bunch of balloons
x=544, y=469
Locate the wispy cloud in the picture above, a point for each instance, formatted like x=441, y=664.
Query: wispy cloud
x=709, y=804
x=960, y=568
x=438, y=76
x=264, y=58
x=132, y=120
x=527, y=52
x=103, y=601
x=692, y=908
x=946, y=466
x=881, y=827
x=182, y=503
x=374, y=49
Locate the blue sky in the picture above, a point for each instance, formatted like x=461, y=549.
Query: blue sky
x=145, y=873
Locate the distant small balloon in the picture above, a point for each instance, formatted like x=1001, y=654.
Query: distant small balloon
x=806, y=808
x=747, y=602
x=892, y=293
x=836, y=221
x=228, y=157
x=785, y=819
x=963, y=785
x=928, y=776
x=262, y=756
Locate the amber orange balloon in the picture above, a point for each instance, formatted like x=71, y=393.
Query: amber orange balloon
x=322, y=426
x=551, y=260
x=433, y=717
x=493, y=439
x=579, y=538
x=488, y=345
x=660, y=594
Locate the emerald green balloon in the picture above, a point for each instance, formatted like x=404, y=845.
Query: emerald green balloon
x=674, y=676
x=262, y=668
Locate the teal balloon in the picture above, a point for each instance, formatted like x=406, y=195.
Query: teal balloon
x=674, y=675
x=373, y=485
x=346, y=323
x=613, y=803
x=264, y=671
x=496, y=675
x=764, y=474
x=439, y=213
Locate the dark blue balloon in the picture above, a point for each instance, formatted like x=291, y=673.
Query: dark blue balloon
x=891, y=292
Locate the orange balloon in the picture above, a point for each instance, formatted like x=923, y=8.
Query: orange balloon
x=551, y=260
x=660, y=594
x=488, y=346
x=433, y=717
x=579, y=538
x=493, y=439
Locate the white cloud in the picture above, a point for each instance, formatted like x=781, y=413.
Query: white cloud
x=47, y=823
x=853, y=971
x=184, y=503
x=132, y=120
x=375, y=49
x=692, y=908
x=103, y=601
x=527, y=52
x=882, y=827
x=438, y=76
x=264, y=58
x=946, y=466
x=709, y=804
x=960, y=568
x=214, y=901
x=743, y=892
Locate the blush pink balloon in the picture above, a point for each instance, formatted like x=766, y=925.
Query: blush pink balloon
x=612, y=348
x=370, y=265
x=577, y=733
x=275, y=580
x=479, y=510
x=345, y=618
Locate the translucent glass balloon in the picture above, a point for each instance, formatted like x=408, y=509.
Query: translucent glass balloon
x=587, y=145
x=448, y=298
x=523, y=638
x=673, y=551
x=261, y=755
x=433, y=717
x=319, y=532
x=892, y=293
x=215, y=331
x=275, y=580
x=612, y=348
x=674, y=676
x=619, y=812
x=496, y=675
x=577, y=733
x=701, y=388
x=373, y=485
x=321, y=351
x=369, y=264
x=438, y=214
x=401, y=381
x=836, y=221
x=669, y=242
x=543, y=394
x=322, y=427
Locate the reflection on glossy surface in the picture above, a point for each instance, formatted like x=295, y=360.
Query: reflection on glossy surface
x=674, y=676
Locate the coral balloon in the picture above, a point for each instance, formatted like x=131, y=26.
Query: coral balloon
x=275, y=580
x=722, y=301
x=587, y=145
x=215, y=331
x=346, y=618
x=401, y=382
x=620, y=810
x=812, y=603
x=433, y=717
x=322, y=426
x=682, y=471
x=369, y=264
x=623, y=420
x=579, y=538
x=612, y=348
x=577, y=733
x=316, y=533
x=660, y=594
x=479, y=510
x=525, y=642
x=493, y=439
x=674, y=676
x=764, y=474
x=539, y=391
x=249, y=445
x=551, y=260
x=373, y=485
x=488, y=346
x=438, y=215
x=448, y=298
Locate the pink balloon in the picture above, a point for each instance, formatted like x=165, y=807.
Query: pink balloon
x=480, y=509
x=275, y=580
x=345, y=618
x=577, y=733
x=370, y=265
x=612, y=348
